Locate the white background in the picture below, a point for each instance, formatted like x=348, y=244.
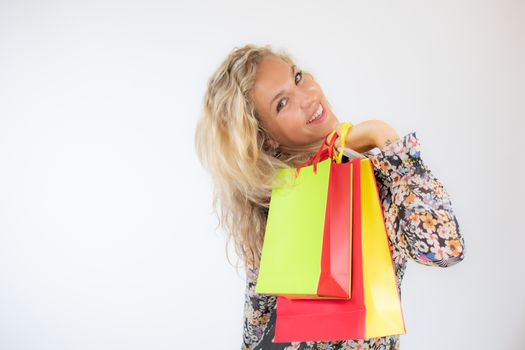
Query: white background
x=107, y=237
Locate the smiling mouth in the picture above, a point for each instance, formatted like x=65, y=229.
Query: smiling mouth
x=319, y=115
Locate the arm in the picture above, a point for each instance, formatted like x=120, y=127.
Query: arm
x=426, y=229
x=257, y=311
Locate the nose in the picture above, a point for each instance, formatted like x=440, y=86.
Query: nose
x=308, y=100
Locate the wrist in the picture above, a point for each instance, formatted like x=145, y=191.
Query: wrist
x=359, y=137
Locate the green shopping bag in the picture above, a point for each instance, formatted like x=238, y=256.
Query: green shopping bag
x=307, y=243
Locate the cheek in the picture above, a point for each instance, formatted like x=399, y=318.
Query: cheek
x=312, y=85
x=293, y=128
x=294, y=118
x=282, y=126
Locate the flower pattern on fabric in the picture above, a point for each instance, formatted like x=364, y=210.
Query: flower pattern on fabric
x=418, y=210
x=420, y=224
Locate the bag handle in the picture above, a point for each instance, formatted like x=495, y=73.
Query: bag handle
x=345, y=128
x=320, y=155
x=331, y=152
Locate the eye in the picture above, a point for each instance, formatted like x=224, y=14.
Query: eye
x=300, y=74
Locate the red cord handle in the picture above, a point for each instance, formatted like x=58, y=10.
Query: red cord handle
x=321, y=154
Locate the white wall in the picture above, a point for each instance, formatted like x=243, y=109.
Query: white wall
x=107, y=238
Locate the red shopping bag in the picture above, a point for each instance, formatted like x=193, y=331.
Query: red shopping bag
x=335, y=276
x=374, y=309
x=334, y=280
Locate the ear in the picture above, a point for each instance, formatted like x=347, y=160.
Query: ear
x=271, y=142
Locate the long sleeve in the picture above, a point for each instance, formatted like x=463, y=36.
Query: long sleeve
x=418, y=209
x=258, y=309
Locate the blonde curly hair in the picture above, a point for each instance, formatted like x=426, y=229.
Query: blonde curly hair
x=231, y=143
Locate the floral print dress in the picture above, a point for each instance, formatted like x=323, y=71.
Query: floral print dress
x=421, y=226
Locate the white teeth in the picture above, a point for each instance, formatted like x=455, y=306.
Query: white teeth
x=317, y=114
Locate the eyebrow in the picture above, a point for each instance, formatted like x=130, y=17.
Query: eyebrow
x=279, y=94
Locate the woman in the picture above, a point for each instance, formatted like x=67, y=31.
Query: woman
x=262, y=113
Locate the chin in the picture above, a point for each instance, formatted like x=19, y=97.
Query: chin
x=330, y=123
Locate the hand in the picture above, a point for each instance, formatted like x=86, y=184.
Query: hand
x=366, y=135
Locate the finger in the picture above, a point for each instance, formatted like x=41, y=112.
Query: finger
x=337, y=143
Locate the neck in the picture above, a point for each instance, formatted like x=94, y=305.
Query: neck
x=302, y=149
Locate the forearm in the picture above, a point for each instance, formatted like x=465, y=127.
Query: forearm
x=425, y=227
x=369, y=134
x=382, y=133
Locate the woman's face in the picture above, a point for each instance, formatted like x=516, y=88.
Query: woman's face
x=287, y=101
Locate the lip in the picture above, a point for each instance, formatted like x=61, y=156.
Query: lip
x=321, y=118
